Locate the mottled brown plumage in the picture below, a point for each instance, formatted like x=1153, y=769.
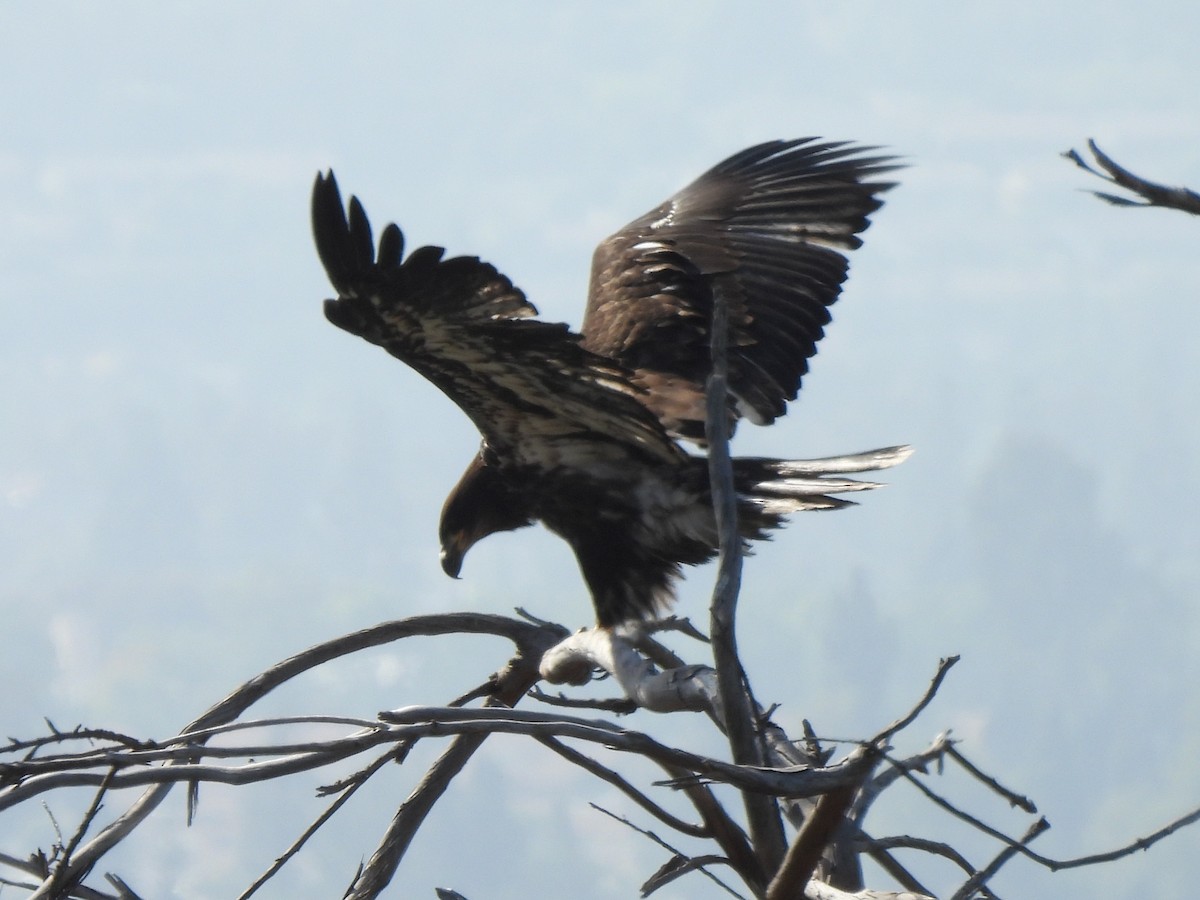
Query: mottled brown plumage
x=579, y=430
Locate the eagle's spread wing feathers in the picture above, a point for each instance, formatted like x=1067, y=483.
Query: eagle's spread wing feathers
x=529, y=386
x=765, y=230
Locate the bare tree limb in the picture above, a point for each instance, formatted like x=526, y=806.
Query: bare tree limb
x=512, y=683
x=312, y=829
x=1150, y=192
x=63, y=880
x=1143, y=843
x=788, y=782
x=800, y=863
x=621, y=706
x=737, y=701
x=258, y=687
x=1015, y=799
x=658, y=880
x=725, y=831
x=39, y=870
x=678, y=866
x=604, y=773
x=918, y=762
x=892, y=866
x=972, y=885
x=820, y=864
x=944, y=666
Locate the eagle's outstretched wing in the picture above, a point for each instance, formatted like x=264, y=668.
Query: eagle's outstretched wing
x=537, y=396
x=765, y=230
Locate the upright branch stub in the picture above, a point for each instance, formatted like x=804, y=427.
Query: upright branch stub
x=762, y=813
x=720, y=473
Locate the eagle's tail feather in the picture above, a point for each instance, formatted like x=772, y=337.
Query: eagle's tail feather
x=778, y=487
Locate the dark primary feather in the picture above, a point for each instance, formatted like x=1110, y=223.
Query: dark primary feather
x=534, y=393
x=765, y=230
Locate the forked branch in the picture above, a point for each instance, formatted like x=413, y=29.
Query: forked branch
x=1146, y=192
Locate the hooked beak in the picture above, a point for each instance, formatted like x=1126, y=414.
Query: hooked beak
x=453, y=551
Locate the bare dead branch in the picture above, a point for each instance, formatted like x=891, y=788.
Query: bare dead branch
x=892, y=866
x=972, y=885
x=794, y=775
x=730, y=837
x=1143, y=843
x=676, y=855
x=62, y=881
x=787, y=782
x=124, y=891
x=360, y=779
x=800, y=863
x=1015, y=799
x=604, y=773
x=737, y=701
x=953, y=810
x=621, y=706
x=944, y=666
x=528, y=637
x=907, y=842
x=677, y=867
x=1150, y=192
x=512, y=683
x=78, y=733
x=414, y=723
x=38, y=869
x=917, y=762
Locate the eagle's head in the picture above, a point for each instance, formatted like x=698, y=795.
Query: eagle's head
x=483, y=502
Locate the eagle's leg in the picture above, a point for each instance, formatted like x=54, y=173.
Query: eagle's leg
x=573, y=660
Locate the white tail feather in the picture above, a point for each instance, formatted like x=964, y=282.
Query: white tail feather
x=803, y=487
x=869, y=461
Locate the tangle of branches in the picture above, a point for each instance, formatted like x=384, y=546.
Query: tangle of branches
x=802, y=830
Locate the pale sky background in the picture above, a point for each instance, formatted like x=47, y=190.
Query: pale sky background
x=199, y=476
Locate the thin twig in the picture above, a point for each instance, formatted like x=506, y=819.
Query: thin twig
x=1143, y=843
x=973, y=884
x=79, y=733
x=35, y=866
x=918, y=762
x=877, y=847
x=678, y=866
x=512, y=683
x=654, y=837
x=949, y=807
x=1055, y=865
x=892, y=866
x=727, y=833
x=62, y=881
x=944, y=666
x=621, y=706
x=1018, y=800
x=604, y=773
x=360, y=779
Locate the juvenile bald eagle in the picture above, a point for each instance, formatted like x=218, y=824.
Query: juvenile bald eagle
x=580, y=431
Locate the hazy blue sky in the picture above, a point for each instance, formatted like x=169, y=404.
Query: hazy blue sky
x=199, y=476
